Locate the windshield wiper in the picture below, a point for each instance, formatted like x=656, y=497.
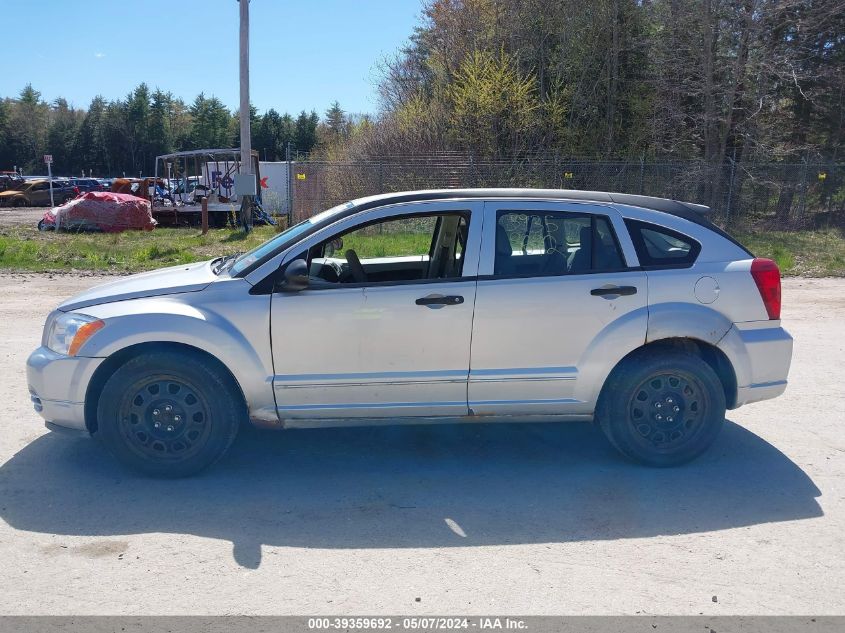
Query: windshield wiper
x=222, y=263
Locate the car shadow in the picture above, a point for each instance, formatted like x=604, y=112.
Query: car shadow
x=394, y=487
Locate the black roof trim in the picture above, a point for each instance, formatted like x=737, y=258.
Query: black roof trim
x=686, y=210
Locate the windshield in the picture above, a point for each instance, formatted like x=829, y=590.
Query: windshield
x=259, y=252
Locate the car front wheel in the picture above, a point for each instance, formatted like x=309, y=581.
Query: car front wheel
x=662, y=408
x=169, y=414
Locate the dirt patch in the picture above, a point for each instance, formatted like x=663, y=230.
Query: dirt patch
x=94, y=549
x=21, y=216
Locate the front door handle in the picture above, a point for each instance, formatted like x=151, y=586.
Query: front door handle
x=440, y=300
x=623, y=291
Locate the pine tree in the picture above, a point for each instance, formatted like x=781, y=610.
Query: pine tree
x=28, y=127
x=305, y=134
x=336, y=122
x=62, y=138
x=90, y=151
x=160, y=138
x=210, y=126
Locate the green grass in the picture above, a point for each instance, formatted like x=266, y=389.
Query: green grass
x=386, y=245
x=800, y=253
x=28, y=249
x=24, y=248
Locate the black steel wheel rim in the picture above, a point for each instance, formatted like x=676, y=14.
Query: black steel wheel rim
x=164, y=418
x=667, y=410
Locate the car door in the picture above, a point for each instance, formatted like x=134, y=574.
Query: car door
x=394, y=344
x=559, y=294
x=39, y=194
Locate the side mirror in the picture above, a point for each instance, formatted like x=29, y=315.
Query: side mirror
x=296, y=276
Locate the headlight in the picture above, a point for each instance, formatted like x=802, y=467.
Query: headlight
x=68, y=331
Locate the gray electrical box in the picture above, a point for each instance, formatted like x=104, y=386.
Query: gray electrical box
x=245, y=185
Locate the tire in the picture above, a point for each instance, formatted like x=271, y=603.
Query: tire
x=662, y=408
x=169, y=414
x=20, y=202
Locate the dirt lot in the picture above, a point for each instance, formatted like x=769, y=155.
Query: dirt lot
x=17, y=216
x=511, y=519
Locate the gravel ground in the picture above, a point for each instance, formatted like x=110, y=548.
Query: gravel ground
x=21, y=216
x=510, y=519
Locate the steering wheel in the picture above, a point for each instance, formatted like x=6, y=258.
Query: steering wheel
x=355, y=267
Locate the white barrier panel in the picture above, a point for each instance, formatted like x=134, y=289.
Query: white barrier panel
x=275, y=180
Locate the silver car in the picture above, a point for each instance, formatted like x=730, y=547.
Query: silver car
x=428, y=307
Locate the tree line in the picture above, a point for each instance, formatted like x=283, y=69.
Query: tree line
x=715, y=81
x=111, y=138
x=711, y=80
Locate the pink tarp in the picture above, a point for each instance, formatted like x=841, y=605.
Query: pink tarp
x=103, y=211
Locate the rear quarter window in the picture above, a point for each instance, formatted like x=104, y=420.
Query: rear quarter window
x=658, y=246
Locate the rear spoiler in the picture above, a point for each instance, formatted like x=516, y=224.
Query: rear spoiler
x=703, y=209
x=690, y=211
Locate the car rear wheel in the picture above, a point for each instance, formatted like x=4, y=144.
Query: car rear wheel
x=169, y=414
x=20, y=202
x=662, y=408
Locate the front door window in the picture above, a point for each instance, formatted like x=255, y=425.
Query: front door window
x=405, y=249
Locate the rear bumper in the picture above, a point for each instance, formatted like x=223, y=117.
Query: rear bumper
x=761, y=353
x=57, y=386
x=755, y=393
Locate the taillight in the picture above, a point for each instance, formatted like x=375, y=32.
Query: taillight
x=76, y=190
x=767, y=277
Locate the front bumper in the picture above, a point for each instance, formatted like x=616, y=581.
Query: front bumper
x=57, y=386
x=761, y=353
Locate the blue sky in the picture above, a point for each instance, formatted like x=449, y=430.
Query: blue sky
x=304, y=54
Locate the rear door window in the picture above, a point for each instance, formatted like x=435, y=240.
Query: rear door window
x=661, y=247
x=536, y=243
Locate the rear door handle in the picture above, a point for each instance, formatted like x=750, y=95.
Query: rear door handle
x=440, y=300
x=623, y=291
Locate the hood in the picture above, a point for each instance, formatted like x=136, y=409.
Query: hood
x=165, y=281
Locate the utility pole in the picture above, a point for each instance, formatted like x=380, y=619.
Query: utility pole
x=290, y=184
x=48, y=158
x=246, y=139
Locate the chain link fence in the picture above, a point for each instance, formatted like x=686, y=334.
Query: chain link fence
x=743, y=196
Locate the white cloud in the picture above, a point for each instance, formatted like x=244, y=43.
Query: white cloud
x=99, y=55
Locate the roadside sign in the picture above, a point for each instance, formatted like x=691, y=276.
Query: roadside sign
x=48, y=158
x=300, y=176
